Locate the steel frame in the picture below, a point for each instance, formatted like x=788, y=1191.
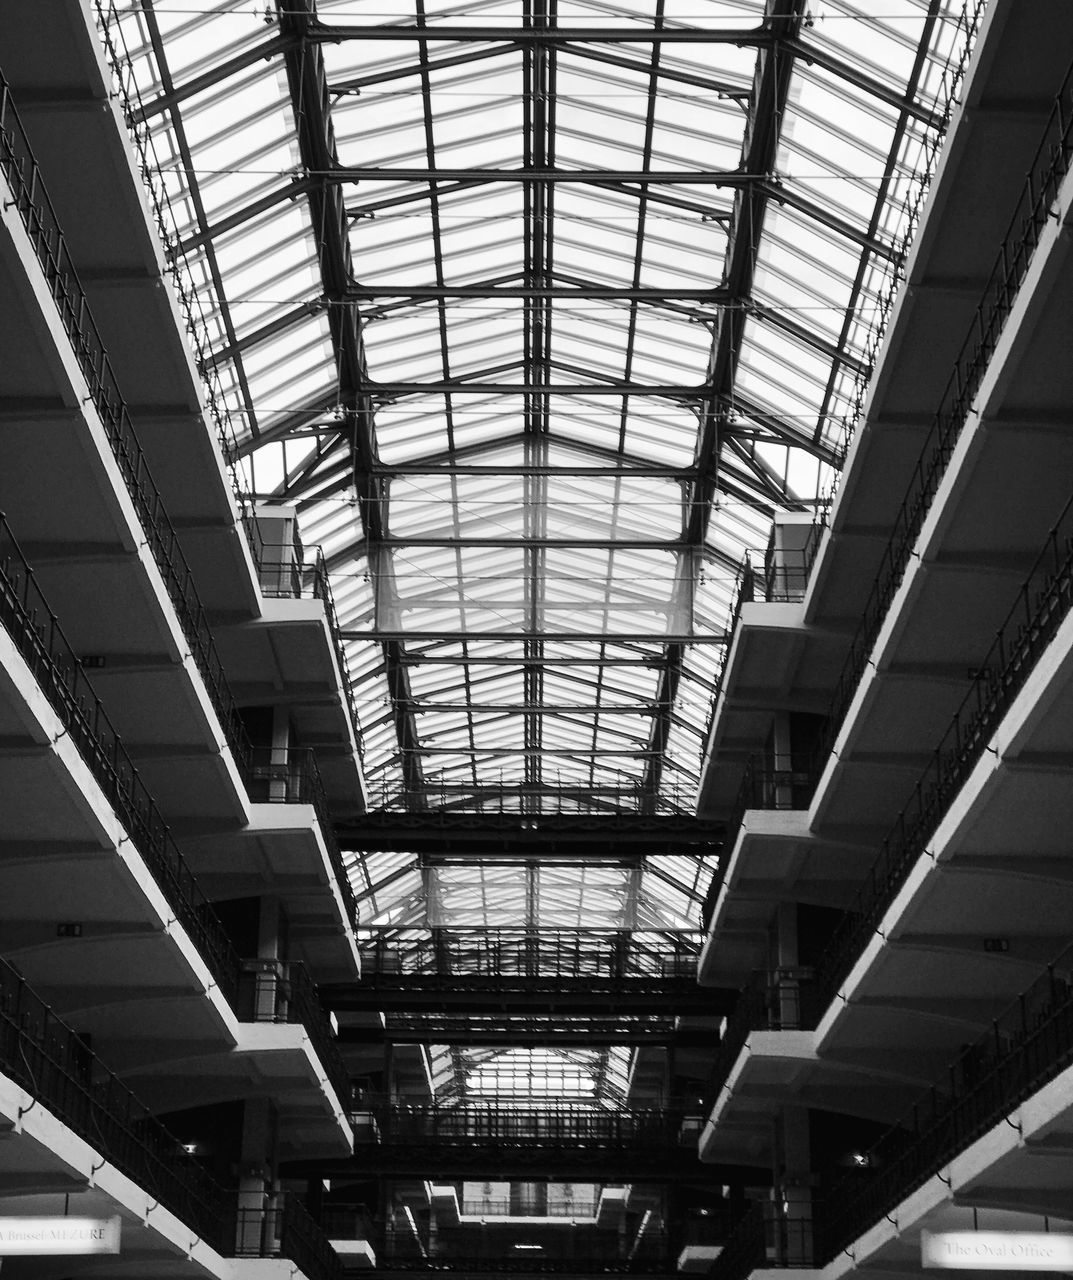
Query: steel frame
x=734, y=432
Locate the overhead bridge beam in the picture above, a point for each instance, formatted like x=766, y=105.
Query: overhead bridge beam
x=506, y=1033
x=561, y=292
x=481, y=994
x=501, y=1159
x=753, y=36
x=591, y=836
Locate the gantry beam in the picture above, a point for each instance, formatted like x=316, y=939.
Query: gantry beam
x=584, y=1162
x=491, y=1033
x=483, y=1268
x=480, y=994
x=541, y=35
x=585, y=835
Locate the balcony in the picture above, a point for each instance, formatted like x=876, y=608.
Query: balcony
x=34, y=630
x=39, y=220
x=136, y=669
x=53, y=1063
x=290, y=775
x=282, y=992
x=1029, y=1046
x=1042, y=604
x=1011, y=270
x=281, y=1227
x=913, y=433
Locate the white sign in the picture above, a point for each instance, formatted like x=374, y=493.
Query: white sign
x=36, y=1236
x=997, y=1250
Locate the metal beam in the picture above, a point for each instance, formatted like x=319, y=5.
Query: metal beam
x=415, y=633
x=642, y=177
x=716, y=297
x=484, y=387
x=551, y=995
x=591, y=836
x=489, y=1032
x=485, y=1159
x=310, y=99
x=541, y=35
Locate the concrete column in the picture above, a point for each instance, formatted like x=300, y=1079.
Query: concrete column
x=791, y=1240
x=259, y=1218
x=282, y=784
x=786, y=1001
x=782, y=761
x=269, y=995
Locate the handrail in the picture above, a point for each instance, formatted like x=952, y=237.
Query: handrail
x=282, y=1227
x=198, y=327
x=962, y=39
x=1026, y=1047
x=1046, y=173
x=43, y=230
x=783, y=1000
x=766, y=1237
x=282, y=992
x=587, y=1250
x=1043, y=602
x=54, y=1064
x=787, y=569
x=37, y=635
x=291, y=775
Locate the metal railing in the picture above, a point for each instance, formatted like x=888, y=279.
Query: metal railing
x=505, y=1208
x=787, y=569
x=553, y=953
x=282, y=1228
x=286, y=571
x=1026, y=1047
x=283, y=992
x=588, y=1250
x=42, y=227
x=43, y=230
x=290, y=775
x=765, y=1238
x=1046, y=173
x=558, y=794
x=53, y=1063
x=554, y=1124
x=1042, y=604
x=185, y=278
x=963, y=37
x=351, y=1221
x=35, y=632
x=784, y=1000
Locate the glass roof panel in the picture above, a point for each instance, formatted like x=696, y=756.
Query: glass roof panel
x=537, y=323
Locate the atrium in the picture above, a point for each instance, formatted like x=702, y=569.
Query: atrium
x=535, y=641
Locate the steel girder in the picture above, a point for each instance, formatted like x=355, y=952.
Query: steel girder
x=585, y=836
x=311, y=103
x=540, y=997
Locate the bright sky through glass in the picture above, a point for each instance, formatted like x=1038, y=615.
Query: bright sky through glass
x=601, y=304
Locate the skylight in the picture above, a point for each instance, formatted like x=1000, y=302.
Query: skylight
x=538, y=313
